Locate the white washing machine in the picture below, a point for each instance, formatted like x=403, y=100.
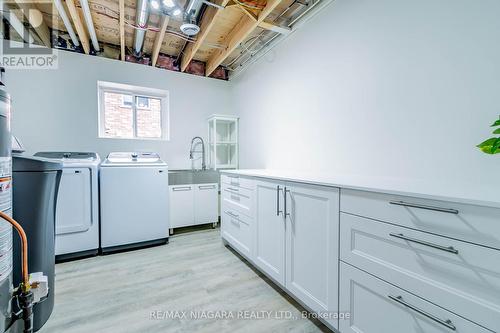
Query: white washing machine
x=134, y=201
x=77, y=210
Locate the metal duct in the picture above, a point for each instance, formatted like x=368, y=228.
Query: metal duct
x=67, y=23
x=141, y=21
x=192, y=12
x=90, y=24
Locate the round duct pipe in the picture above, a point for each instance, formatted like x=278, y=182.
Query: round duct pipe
x=141, y=21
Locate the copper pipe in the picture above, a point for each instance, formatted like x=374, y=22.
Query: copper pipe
x=24, y=249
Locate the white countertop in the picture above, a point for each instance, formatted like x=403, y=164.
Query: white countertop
x=460, y=193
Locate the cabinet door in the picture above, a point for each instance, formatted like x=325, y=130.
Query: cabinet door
x=206, y=203
x=181, y=205
x=270, y=229
x=74, y=209
x=312, y=226
x=374, y=306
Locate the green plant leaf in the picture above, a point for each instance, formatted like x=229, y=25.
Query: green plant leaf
x=496, y=123
x=486, y=150
x=497, y=131
x=487, y=144
x=495, y=148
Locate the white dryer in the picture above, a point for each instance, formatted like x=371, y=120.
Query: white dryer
x=134, y=201
x=77, y=210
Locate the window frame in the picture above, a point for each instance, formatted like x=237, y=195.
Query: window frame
x=134, y=91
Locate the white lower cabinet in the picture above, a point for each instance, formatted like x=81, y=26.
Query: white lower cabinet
x=312, y=220
x=297, y=242
x=462, y=277
x=290, y=232
x=407, y=265
x=206, y=203
x=375, y=306
x=270, y=229
x=181, y=205
x=193, y=204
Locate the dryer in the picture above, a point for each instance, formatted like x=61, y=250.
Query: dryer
x=77, y=211
x=134, y=201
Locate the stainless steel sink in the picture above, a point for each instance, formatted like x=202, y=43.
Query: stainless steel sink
x=181, y=177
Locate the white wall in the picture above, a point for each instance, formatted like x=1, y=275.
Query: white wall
x=386, y=88
x=57, y=109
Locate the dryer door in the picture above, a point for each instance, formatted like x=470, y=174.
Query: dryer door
x=74, y=209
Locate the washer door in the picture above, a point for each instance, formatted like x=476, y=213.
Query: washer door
x=74, y=210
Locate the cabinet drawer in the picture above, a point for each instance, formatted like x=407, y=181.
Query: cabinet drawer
x=241, y=197
x=462, y=277
x=238, y=181
x=475, y=224
x=237, y=230
x=375, y=306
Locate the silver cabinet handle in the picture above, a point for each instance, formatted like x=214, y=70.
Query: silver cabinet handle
x=447, y=323
x=414, y=205
x=236, y=217
x=206, y=187
x=278, y=211
x=182, y=188
x=450, y=249
x=286, y=202
x=232, y=214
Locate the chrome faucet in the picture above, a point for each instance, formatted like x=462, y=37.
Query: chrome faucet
x=191, y=151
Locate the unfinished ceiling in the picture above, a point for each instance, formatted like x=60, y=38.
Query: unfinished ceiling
x=232, y=32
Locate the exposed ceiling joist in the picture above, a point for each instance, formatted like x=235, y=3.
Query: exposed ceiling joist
x=276, y=28
x=122, y=29
x=206, y=25
x=248, y=12
x=238, y=35
x=35, y=19
x=80, y=29
x=159, y=39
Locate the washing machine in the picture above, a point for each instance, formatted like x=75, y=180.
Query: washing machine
x=77, y=211
x=134, y=201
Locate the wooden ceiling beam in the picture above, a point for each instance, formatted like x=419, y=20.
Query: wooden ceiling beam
x=80, y=30
x=207, y=22
x=159, y=39
x=276, y=28
x=248, y=12
x=237, y=36
x=122, y=29
x=35, y=19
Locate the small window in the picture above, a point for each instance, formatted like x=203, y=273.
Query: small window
x=129, y=112
x=142, y=102
x=127, y=101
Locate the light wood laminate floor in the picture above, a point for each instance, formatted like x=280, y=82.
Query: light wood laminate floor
x=194, y=272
